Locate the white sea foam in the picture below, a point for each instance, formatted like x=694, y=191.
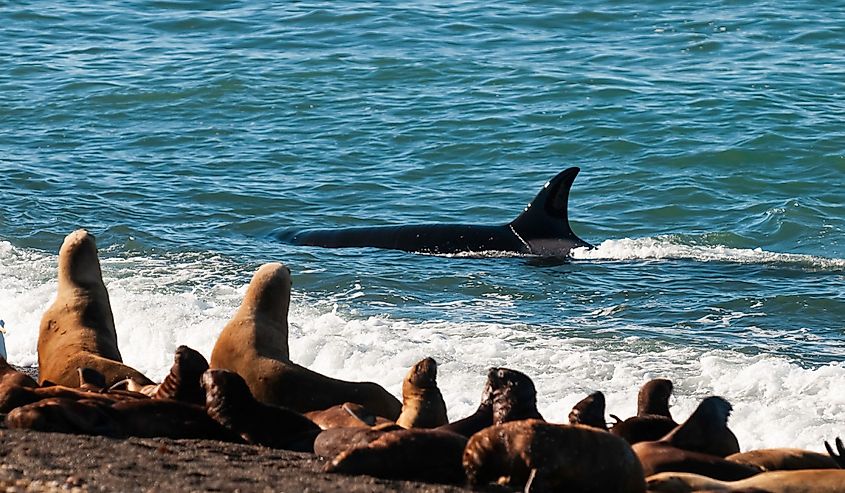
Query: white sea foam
x=776, y=401
x=667, y=248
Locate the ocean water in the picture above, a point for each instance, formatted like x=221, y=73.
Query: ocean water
x=186, y=134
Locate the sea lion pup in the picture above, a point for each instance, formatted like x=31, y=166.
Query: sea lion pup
x=77, y=330
x=803, y=481
x=653, y=419
x=61, y=415
x=514, y=396
x=413, y=454
x=331, y=442
x=480, y=419
x=537, y=456
x=230, y=403
x=254, y=344
x=422, y=402
x=589, y=411
x=9, y=376
x=679, y=451
x=346, y=415
x=784, y=459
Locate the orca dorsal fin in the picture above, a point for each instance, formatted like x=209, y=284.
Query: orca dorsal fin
x=548, y=214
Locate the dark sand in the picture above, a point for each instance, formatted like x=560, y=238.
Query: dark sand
x=36, y=461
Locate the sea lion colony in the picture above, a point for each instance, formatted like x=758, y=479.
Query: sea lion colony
x=252, y=393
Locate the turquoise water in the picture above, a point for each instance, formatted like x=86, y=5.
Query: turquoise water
x=186, y=134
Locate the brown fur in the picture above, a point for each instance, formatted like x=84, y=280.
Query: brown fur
x=706, y=430
x=230, y=403
x=480, y=419
x=9, y=376
x=77, y=330
x=346, y=415
x=422, y=402
x=552, y=458
x=182, y=383
x=653, y=419
x=514, y=396
x=413, y=454
x=804, y=481
x=254, y=344
x=784, y=459
x=589, y=411
x=12, y=397
x=329, y=443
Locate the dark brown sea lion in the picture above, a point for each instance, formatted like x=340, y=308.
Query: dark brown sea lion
x=230, y=403
x=413, y=454
x=61, y=415
x=77, y=330
x=803, y=481
x=422, y=402
x=480, y=419
x=679, y=451
x=182, y=383
x=346, y=415
x=706, y=430
x=148, y=418
x=12, y=397
x=514, y=396
x=331, y=442
x=653, y=419
x=254, y=344
x=589, y=411
x=784, y=459
x=9, y=376
x=540, y=456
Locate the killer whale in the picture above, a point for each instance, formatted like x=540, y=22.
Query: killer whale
x=541, y=229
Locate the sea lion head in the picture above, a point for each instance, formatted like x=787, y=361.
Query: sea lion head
x=514, y=395
x=78, y=261
x=269, y=291
x=226, y=394
x=654, y=397
x=708, y=423
x=590, y=411
x=423, y=374
x=183, y=381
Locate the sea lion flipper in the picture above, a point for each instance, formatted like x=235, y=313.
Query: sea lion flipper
x=367, y=419
x=839, y=457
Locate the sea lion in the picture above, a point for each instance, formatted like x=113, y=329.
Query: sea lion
x=706, y=430
x=803, y=481
x=12, y=397
x=784, y=459
x=62, y=415
x=9, y=376
x=91, y=380
x=589, y=411
x=514, y=396
x=149, y=418
x=182, y=383
x=254, y=344
x=537, y=456
x=77, y=330
x=331, y=442
x=653, y=419
x=230, y=403
x=413, y=454
x=422, y=402
x=480, y=419
x=346, y=415
x=680, y=450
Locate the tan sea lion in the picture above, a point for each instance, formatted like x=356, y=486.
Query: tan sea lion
x=346, y=415
x=480, y=419
x=413, y=454
x=77, y=330
x=12, y=397
x=803, y=481
x=679, y=451
x=62, y=415
x=653, y=419
x=784, y=459
x=254, y=344
x=422, y=402
x=537, y=456
x=230, y=403
x=589, y=411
